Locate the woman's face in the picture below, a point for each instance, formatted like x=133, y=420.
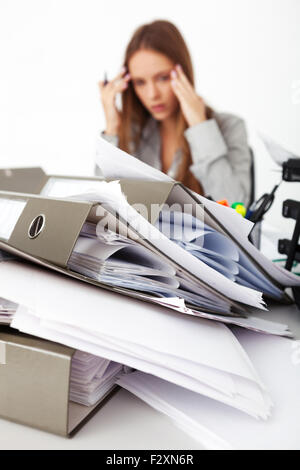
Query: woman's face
x=150, y=76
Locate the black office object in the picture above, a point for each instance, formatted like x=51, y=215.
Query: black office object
x=291, y=170
x=291, y=248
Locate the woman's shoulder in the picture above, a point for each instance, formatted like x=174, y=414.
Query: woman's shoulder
x=230, y=124
x=227, y=119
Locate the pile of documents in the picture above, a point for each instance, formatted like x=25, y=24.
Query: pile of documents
x=191, y=352
x=7, y=310
x=91, y=378
x=194, y=271
x=216, y=426
x=215, y=250
x=116, y=260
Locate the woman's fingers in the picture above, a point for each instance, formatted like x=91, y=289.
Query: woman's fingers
x=119, y=78
x=192, y=106
x=178, y=89
x=178, y=86
x=183, y=78
x=109, y=89
x=121, y=84
x=101, y=85
x=120, y=75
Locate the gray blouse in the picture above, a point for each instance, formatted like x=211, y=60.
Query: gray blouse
x=221, y=158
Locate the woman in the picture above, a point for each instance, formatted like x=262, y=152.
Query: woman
x=166, y=124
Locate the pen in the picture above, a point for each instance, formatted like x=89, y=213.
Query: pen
x=105, y=79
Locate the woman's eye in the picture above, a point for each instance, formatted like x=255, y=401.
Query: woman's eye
x=164, y=78
x=138, y=82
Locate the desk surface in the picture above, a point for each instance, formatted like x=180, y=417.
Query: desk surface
x=125, y=422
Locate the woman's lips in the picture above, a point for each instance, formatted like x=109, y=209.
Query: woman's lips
x=158, y=108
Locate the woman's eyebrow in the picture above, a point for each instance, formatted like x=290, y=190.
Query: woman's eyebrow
x=162, y=72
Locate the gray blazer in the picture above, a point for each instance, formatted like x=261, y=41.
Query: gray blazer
x=221, y=157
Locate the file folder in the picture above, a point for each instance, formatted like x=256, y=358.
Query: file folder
x=53, y=245
x=152, y=195
x=24, y=180
x=35, y=384
x=175, y=193
x=35, y=181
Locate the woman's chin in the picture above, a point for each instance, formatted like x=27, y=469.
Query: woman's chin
x=160, y=116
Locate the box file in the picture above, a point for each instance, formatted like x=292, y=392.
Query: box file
x=24, y=180
x=35, y=384
x=63, y=222
x=151, y=194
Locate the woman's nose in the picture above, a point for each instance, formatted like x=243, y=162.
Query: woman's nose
x=152, y=90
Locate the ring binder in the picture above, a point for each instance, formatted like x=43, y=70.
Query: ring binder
x=35, y=384
x=54, y=246
x=152, y=195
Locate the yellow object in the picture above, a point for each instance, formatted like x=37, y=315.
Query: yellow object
x=241, y=209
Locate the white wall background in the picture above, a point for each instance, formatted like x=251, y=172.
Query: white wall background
x=246, y=55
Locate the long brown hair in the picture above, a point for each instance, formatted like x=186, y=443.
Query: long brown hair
x=163, y=37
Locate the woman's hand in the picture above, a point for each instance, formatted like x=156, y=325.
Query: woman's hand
x=192, y=106
x=108, y=92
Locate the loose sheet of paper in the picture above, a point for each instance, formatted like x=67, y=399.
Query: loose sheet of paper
x=218, y=426
x=116, y=328
x=10, y=211
x=117, y=164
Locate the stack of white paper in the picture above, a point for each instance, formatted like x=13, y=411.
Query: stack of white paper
x=215, y=250
x=196, y=354
x=216, y=425
x=7, y=310
x=118, y=261
x=114, y=163
x=277, y=152
x=210, y=280
x=239, y=229
x=10, y=211
x=91, y=378
x=110, y=196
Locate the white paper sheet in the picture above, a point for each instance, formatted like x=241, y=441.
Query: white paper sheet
x=10, y=211
x=275, y=360
x=257, y=406
x=65, y=187
x=117, y=164
x=276, y=151
x=114, y=163
x=91, y=377
x=115, y=200
x=284, y=277
x=117, y=320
